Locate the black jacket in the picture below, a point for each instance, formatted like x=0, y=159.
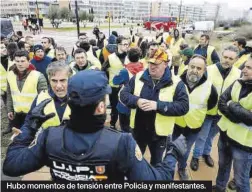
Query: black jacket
x=234, y=111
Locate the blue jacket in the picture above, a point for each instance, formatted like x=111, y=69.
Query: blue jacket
x=122, y=79
x=146, y=120
x=42, y=65
x=24, y=157
x=203, y=51
x=60, y=105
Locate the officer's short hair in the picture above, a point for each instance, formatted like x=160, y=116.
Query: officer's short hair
x=232, y=48
x=241, y=41
x=206, y=36
x=58, y=66
x=80, y=50
x=21, y=53
x=134, y=54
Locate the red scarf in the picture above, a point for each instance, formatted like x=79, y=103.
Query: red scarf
x=26, y=72
x=37, y=58
x=134, y=68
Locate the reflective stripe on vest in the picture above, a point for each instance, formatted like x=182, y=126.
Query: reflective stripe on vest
x=221, y=85
x=163, y=124
x=3, y=78
x=115, y=67
x=198, y=99
x=241, y=60
x=240, y=133
x=50, y=108
x=22, y=100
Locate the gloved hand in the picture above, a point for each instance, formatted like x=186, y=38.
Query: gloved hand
x=38, y=117
x=178, y=147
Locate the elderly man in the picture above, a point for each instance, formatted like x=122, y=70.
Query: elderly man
x=155, y=98
x=202, y=97
x=24, y=83
x=58, y=73
x=222, y=75
x=235, y=143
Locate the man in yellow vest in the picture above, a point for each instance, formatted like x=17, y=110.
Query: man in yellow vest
x=3, y=70
x=244, y=54
x=80, y=62
x=206, y=50
x=58, y=73
x=24, y=83
x=113, y=66
x=202, y=97
x=48, y=47
x=222, y=75
x=235, y=143
x=155, y=98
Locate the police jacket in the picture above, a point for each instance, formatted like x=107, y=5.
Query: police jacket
x=234, y=111
x=102, y=155
x=146, y=120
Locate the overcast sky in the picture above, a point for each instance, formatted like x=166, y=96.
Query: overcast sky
x=240, y=4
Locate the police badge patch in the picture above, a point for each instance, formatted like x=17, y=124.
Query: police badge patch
x=138, y=153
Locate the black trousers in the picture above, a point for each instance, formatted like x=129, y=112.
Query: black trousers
x=124, y=122
x=113, y=98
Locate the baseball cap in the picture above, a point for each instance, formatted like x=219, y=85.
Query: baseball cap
x=88, y=87
x=158, y=57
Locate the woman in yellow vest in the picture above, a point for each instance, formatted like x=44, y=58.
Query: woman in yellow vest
x=24, y=83
x=202, y=97
x=58, y=73
x=174, y=46
x=235, y=142
x=155, y=98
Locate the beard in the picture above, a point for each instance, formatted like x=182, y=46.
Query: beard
x=193, y=78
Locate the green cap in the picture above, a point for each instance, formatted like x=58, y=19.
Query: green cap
x=187, y=52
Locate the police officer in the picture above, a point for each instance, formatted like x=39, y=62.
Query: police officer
x=83, y=149
x=58, y=73
x=235, y=144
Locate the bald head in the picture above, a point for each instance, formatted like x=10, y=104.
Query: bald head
x=196, y=69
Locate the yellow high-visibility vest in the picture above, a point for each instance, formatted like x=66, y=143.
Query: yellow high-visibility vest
x=163, y=124
x=238, y=132
x=145, y=62
x=22, y=100
x=98, y=53
x=115, y=67
x=241, y=60
x=182, y=68
x=50, y=108
x=198, y=100
x=221, y=85
x=93, y=60
x=175, y=46
x=3, y=78
x=210, y=50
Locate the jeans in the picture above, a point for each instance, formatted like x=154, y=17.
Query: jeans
x=156, y=147
x=242, y=163
x=209, y=130
x=190, y=139
x=124, y=120
x=113, y=98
